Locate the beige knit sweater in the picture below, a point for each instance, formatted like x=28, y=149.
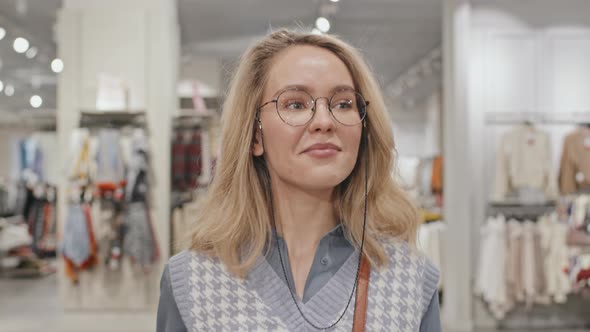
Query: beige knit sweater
x=574, y=173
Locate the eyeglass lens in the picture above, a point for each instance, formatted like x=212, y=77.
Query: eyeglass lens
x=296, y=107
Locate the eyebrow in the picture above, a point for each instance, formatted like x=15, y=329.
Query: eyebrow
x=307, y=89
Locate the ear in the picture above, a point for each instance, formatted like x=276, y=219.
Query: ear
x=257, y=148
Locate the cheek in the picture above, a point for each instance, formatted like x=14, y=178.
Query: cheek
x=353, y=139
x=281, y=143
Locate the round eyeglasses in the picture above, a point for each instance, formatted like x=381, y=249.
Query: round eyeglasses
x=296, y=107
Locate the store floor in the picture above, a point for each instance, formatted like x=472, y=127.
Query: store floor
x=32, y=305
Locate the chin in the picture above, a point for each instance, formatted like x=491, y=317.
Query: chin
x=324, y=182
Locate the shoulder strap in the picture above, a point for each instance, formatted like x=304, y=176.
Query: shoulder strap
x=362, y=290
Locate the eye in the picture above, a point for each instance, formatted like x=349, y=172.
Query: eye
x=294, y=105
x=343, y=104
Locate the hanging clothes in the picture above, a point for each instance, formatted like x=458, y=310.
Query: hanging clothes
x=32, y=157
x=193, y=159
x=140, y=242
x=523, y=167
x=491, y=278
x=437, y=175
x=514, y=275
x=78, y=246
x=554, y=243
x=139, y=238
x=80, y=151
x=179, y=164
x=574, y=171
x=110, y=169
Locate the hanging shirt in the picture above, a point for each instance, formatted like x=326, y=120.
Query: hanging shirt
x=523, y=164
x=574, y=171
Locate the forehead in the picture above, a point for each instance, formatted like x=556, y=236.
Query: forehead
x=316, y=68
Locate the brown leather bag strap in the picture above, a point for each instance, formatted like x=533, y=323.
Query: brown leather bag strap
x=362, y=290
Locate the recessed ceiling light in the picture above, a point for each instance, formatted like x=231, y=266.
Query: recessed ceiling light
x=9, y=90
x=1, y=86
x=2, y=33
x=57, y=65
x=21, y=45
x=36, y=101
x=334, y=0
x=31, y=52
x=322, y=24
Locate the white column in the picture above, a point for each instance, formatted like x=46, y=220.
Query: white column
x=137, y=41
x=458, y=300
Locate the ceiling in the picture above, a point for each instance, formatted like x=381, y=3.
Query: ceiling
x=392, y=34
x=33, y=20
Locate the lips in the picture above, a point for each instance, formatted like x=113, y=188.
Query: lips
x=322, y=147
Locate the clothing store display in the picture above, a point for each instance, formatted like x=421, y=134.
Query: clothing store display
x=193, y=159
x=81, y=151
x=574, y=171
x=523, y=167
x=523, y=262
x=137, y=168
x=265, y=295
x=32, y=156
x=139, y=242
x=13, y=236
x=78, y=245
x=110, y=167
x=179, y=164
x=187, y=161
x=490, y=283
x=437, y=175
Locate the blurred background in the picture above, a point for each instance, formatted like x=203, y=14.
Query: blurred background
x=109, y=129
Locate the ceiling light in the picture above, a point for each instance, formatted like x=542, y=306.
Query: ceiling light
x=2, y=33
x=21, y=45
x=334, y=0
x=1, y=86
x=315, y=31
x=322, y=24
x=9, y=90
x=32, y=52
x=36, y=101
x=57, y=65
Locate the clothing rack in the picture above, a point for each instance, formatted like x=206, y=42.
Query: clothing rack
x=519, y=211
x=112, y=119
x=531, y=118
x=187, y=122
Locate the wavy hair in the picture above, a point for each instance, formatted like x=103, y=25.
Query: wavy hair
x=234, y=223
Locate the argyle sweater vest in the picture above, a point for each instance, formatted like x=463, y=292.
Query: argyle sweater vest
x=209, y=298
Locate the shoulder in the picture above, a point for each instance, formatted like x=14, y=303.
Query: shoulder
x=187, y=271
x=187, y=262
x=401, y=252
x=413, y=265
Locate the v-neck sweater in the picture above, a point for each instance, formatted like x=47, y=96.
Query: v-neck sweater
x=209, y=298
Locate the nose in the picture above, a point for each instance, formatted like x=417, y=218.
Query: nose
x=322, y=119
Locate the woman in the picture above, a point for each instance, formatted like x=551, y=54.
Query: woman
x=302, y=189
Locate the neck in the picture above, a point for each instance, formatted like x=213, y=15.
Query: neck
x=302, y=217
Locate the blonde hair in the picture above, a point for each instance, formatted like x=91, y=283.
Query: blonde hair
x=234, y=224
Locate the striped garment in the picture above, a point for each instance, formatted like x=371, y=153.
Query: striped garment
x=210, y=299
